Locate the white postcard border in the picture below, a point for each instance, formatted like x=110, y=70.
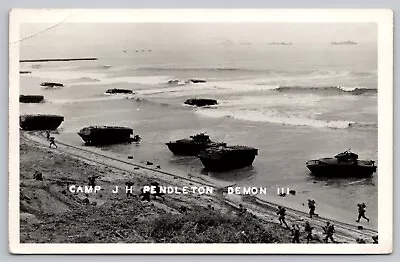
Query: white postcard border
x=384, y=19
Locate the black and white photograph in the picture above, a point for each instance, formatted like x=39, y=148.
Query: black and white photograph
x=152, y=130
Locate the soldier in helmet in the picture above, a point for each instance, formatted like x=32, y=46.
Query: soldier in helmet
x=308, y=229
x=282, y=213
x=311, y=206
x=329, y=230
x=296, y=234
x=48, y=135
x=52, y=142
x=361, y=212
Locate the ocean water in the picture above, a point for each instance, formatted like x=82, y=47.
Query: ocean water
x=294, y=103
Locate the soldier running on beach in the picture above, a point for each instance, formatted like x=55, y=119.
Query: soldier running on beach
x=311, y=206
x=329, y=230
x=296, y=234
x=361, y=212
x=48, y=135
x=282, y=213
x=52, y=142
x=308, y=229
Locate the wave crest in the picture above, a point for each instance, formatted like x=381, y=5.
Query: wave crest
x=286, y=120
x=329, y=89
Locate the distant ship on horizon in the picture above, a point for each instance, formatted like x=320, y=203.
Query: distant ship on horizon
x=344, y=43
x=279, y=43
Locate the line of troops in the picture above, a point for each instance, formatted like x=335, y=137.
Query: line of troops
x=329, y=229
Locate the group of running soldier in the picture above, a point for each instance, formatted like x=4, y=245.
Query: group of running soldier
x=329, y=229
x=51, y=139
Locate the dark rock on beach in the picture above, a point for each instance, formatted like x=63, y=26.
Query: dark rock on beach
x=51, y=84
x=195, y=81
x=201, y=102
x=173, y=81
x=30, y=98
x=119, y=91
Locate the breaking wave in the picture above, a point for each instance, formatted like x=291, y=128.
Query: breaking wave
x=84, y=79
x=318, y=72
x=92, y=99
x=332, y=89
x=209, y=69
x=286, y=120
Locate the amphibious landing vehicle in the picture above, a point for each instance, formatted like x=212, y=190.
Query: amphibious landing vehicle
x=40, y=122
x=192, y=146
x=345, y=164
x=224, y=158
x=103, y=135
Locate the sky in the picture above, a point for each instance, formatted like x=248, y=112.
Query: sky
x=202, y=33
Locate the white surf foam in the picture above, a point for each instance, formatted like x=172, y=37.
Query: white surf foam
x=250, y=115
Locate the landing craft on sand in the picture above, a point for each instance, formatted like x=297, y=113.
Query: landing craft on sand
x=103, y=135
x=224, y=158
x=40, y=122
x=345, y=164
x=192, y=146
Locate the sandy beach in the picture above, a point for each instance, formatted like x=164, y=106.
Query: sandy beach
x=58, y=215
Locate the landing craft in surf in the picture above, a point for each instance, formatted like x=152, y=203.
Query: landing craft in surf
x=32, y=122
x=192, y=146
x=345, y=164
x=103, y=135
x=225, y=158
